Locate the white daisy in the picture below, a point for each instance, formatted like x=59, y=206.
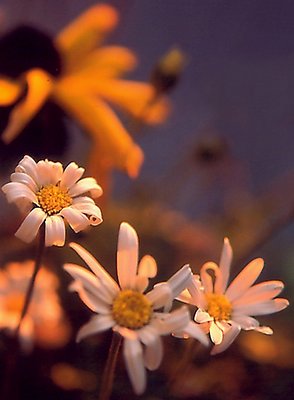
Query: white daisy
x=50, y=194
x=223, y=311
x=125, y=309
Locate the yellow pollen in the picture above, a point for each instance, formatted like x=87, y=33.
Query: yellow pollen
x=53, y=198
x=218, y=306
x=131, y=309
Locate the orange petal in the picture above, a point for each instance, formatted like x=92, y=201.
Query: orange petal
x=102, y=124
x=137, y=98
x=9, y=91
x=39, y=87
x=85, y=32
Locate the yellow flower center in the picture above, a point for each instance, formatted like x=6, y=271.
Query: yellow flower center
x=131, y=309
x=218, y=306
x=53, y=198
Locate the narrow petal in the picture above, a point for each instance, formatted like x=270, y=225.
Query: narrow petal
x=260, y=292
x=161, y=296
x=86, y=185
x=195, y=291
x=262, y=308
x=71, y=175
x=9, y=91
x=127, y=256
x=245, y=279
x=180, y=280
x=76, y=219
x=147, y=267
x=224, y=267
x=90, y=209
x=193, y=330
x=25, y=179
x=247, y=323
x=173, y=322
x=266, y=330
x=97, y=324
x=30, y=226
x=89, y=299
x=54, y=231
x=98, y=270
x=228, y=339
x=29, y=166
x=39, y=88
x=216, y=334
x=153, y=351
x=133, y=355
x=15, y=191
x=206, y=278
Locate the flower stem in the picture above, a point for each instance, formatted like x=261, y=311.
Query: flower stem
x=108, y=374
x=29, y=293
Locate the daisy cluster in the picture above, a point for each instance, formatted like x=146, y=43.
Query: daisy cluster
x=50, y=195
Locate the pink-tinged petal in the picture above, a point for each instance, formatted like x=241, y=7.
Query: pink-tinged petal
x=147, y=267
x=30, y=226
x=160, y=296
x=49, y=172
x=247, y=323
x=98, y=270
x=86, y=185
x=54, y=231
x=173, y=322
x=266, y=330
x=71, y=175
x=153, y=351
x=245, y=279
x=206, y=277
x=28, y=166
x=127, y=256
x=263, y=307
x=185, y=297
x=228, y=339
x=260, y=292
x=224, y=267
x=90, y=209
x=90, y=283
x=24, y=178
x=216, y=334
x=180, y=280
x=196, y=292
x=89, y=299
x=16, y=191
x=97, y=324
x=194, y=330
x=202, y=316
x=133, y=355
x=76, y=219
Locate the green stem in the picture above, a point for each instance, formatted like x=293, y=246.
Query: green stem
x=108, y=374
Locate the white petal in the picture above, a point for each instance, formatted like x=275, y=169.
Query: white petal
x=260, y=292
x=127, y=256
x=154, y=350
x=24, y=178
x=49, y=172
x=194, y=330
x=266, y=330
x=16, y=190
x=202, y=316
x=263, y=307
x=30, y=226
x=224, y=267
x=90, y=209
x=180, y=280
x=173, y=322
x=28, y=166
x=54, y=231
x=133, y=355
x=245, y=279
x=76, y=219
x=147, y=267
x=229, y=336
x=247, y=323
x=206, y=278
x=98, y=323
x=86, y=185
x=160, y=296
x=216, y=334
x=98, y=270
x=93, y=302
x=71, y=175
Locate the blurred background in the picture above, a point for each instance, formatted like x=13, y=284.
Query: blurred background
x=221, y=164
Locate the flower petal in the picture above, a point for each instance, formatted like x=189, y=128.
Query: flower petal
x=86, y=185
x=206, y=278
x=247, y=323
x=16, y=191
x=92, y=301
x=98, y=323
x=245, y=279
x=173, y=322
x=133, y=355
x=263, y=307
x=54, y=231
x=127, y=256
x=193, y=330
x=161, y=296
x=180, y=280
x=228, y=339
x=224, y=267
x=202, y=316
x=89, y=208
x=49, y=172
x=154, y=350
x=39, y=88
x=147, y=267
x=9, y=91
x=30, y=226
x=25, y=179
x=260, y=292
x=29, y=166
x=216, y=334
x=71, y=175
x=76, y=219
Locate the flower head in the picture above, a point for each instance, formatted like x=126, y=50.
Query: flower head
x=125, y=308
x=51, y=195
x=45, y=322
x=224, y=310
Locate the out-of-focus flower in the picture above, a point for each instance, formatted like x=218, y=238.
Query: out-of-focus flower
x=82, y=77
x=44, y=322
x=125, y=308
x=224, y=310
x=50, y=195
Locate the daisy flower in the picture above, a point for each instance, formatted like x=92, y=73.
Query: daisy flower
x=80, y=75
x=224, y=310
x=44, y=322
x=51, y=195
x=138, y=317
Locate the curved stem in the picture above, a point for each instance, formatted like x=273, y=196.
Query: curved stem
x=29, y=293
x=108, y=374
